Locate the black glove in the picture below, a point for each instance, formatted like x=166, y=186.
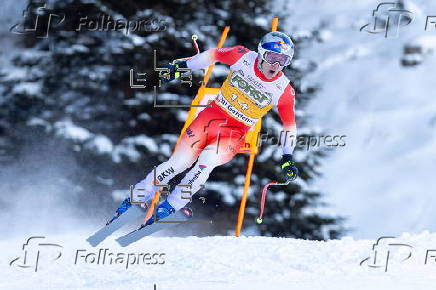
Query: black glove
x=174, y=72
x=288, y=167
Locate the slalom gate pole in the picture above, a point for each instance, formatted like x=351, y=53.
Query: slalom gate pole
x=274, y=24
x=241, y=212
x=154, y=202
x=220, y=44
x=244, y=195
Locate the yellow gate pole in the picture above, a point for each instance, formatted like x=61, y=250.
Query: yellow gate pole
x=253, y=153
x=220, y=44
x=245, y=194
x=201, y=90
x=274, y=24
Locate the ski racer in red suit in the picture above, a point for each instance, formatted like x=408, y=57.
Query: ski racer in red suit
x=254, y=85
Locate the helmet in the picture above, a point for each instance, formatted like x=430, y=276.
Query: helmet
x=276, y=47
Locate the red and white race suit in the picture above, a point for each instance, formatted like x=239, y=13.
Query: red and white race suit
x=217, y=133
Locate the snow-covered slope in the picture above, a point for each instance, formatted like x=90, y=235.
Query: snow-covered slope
x=383, y=178
x=219, y=263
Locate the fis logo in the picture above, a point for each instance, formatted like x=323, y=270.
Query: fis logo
x=166, y=173
x=202, y=167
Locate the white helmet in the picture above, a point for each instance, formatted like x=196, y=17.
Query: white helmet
x=276, y=47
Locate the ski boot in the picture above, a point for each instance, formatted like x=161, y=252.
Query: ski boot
x=162, y=211
x=124, y=206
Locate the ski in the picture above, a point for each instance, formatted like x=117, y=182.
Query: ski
x=132, y=214
x=174, y=219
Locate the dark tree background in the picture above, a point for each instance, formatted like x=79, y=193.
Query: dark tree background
x=69, y=93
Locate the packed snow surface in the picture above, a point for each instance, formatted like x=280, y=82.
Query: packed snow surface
x=222, y=263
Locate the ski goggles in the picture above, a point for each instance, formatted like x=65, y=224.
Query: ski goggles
x=272, y=57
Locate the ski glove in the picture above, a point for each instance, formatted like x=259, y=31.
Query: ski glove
x=288, y=167
x=174, y=72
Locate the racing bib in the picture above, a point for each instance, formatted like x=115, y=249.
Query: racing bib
x=245, y=96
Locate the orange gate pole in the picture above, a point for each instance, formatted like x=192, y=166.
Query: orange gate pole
x=245, y=194
x=253, y=153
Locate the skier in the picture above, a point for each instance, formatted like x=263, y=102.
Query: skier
x=254, y=85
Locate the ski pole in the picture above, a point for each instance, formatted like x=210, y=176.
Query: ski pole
x=194, y=41
x=262, y=202
x=197, y=50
